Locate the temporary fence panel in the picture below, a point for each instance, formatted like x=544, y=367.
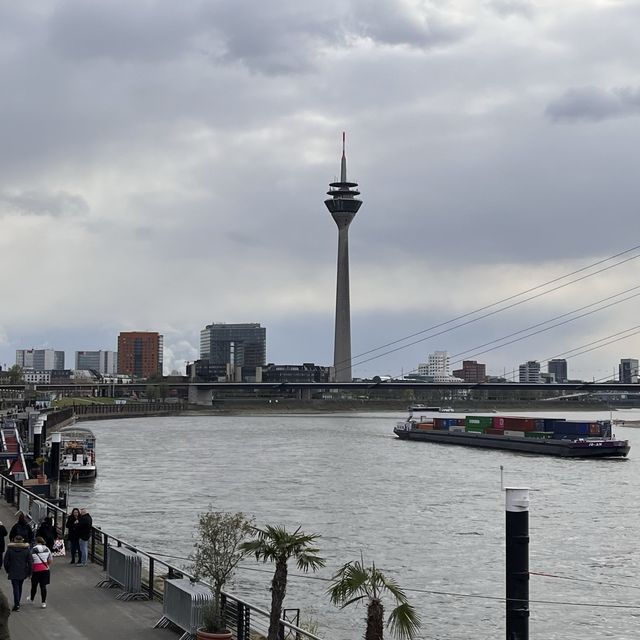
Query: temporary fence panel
x=182, y=605
x=124, y=569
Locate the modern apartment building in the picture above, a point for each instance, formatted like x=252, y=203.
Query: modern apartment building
x=437, y=364
x=530, y=372
x=240, y=345
x=140, y=353
x=472, y=371
x=40, y=359
x=102, y=362
x=628, y=371
x=558, y=368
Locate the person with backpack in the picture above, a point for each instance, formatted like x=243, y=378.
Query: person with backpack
x=23, y=529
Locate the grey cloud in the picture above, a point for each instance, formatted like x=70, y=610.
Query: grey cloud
x=593, y=103
x=396, y=23
x=146, y=31
x=40, y=203
x=506, y=8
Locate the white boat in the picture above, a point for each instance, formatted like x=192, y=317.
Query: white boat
x=77, y=453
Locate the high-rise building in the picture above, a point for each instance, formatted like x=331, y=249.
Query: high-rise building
x=558, y=368
x=628, y=371
x=437, y=364
x=240, y=345
x=343, y=207
x=40, y=359
x=140, y=353
x=102, y=362
x=472, y=371
x=530, y=372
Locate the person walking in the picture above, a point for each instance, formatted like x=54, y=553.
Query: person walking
x=22, y=529
x=3, y=535
x=72, y=534
x=47, y=532
x=85, y=523
x=40, y=573
x=17, y=563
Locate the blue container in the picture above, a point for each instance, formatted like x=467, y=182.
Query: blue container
x=548, y=424
x=572, y=428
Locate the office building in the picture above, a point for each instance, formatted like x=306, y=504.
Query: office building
x=238, y=345
x=472, y=371
x=40, y=359
x=558, y=368
x=102, y=362
x=530, y=372
x=628, y=371
x=140, y=353
x=343, y=207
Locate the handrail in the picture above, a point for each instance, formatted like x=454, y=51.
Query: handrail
x=153, y=559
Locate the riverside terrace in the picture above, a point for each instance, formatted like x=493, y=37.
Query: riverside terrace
x=78, y=610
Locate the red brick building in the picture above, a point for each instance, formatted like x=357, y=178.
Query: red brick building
x=472, y=371
x=140, y=353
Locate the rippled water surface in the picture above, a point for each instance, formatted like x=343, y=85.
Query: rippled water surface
x=431, y=516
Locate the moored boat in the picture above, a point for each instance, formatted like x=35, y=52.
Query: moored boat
x=77, y=453
x=548, y=436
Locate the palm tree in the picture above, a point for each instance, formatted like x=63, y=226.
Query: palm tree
x=355, y=582
x=276, y=544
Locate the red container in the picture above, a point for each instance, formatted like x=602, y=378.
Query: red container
x=498, y=423
x=494, y=432
x=520, y=424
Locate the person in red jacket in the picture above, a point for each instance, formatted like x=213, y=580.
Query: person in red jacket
x=40, y=576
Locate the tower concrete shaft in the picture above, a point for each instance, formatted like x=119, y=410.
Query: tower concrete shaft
x=343, y=207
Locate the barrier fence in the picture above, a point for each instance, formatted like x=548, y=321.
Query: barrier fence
x=141, y=574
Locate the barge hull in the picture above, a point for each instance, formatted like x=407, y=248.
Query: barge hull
x=561, y=448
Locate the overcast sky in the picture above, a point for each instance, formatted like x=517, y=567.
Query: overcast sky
x=163, y=165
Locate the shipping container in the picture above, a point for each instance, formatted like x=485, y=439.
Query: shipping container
x=479, y=421
x=498, y=422
x=457, y=428
x=428, y=426
x=572, y=428
x=538, y=434
x=474, y=428
x=522, y=424
x=518, y=434
x=494, y=432
x=549, y=423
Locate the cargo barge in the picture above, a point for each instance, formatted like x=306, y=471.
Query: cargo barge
x=548, y=436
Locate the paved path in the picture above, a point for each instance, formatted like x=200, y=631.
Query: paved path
x=76, y=608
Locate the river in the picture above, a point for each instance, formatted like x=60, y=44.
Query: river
x=431, y=516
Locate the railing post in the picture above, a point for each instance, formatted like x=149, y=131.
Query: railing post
x=93, y=545
x=151, y=567
x=105, y=550
x=240, y=635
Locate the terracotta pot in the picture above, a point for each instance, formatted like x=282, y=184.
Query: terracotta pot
x=201, y=634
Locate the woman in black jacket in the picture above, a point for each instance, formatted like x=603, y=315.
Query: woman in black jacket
x=47, y=532
x=73, y=534
x=3, y=535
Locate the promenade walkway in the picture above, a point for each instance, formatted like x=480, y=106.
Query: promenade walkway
x=77, y=609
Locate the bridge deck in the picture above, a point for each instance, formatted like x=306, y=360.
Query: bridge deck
x=77, y=609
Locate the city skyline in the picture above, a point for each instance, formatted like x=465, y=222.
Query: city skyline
x=164, y=163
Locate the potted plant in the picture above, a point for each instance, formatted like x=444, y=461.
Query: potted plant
x=355, y=582
x=276, y=544
x=215, y=557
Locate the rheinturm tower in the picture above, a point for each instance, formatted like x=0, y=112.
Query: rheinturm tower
x=343, y=206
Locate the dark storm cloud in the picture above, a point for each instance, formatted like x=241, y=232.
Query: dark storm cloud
x=39, y=203
x=593, y=103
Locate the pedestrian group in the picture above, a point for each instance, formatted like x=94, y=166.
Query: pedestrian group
x=29, y=555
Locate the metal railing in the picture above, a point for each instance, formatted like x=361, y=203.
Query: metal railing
x=245, y=620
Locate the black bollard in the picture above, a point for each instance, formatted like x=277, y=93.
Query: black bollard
x=55, y=457
x=517, y=563
x=37, y=434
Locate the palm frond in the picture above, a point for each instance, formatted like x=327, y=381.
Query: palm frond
x=404, y=621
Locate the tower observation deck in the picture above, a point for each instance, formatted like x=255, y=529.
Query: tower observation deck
x=343, y=207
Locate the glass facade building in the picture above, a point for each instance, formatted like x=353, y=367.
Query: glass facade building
x=237, y=344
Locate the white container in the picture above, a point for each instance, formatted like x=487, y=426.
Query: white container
x=517, y=434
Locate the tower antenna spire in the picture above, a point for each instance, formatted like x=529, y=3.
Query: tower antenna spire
x=343, y=164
